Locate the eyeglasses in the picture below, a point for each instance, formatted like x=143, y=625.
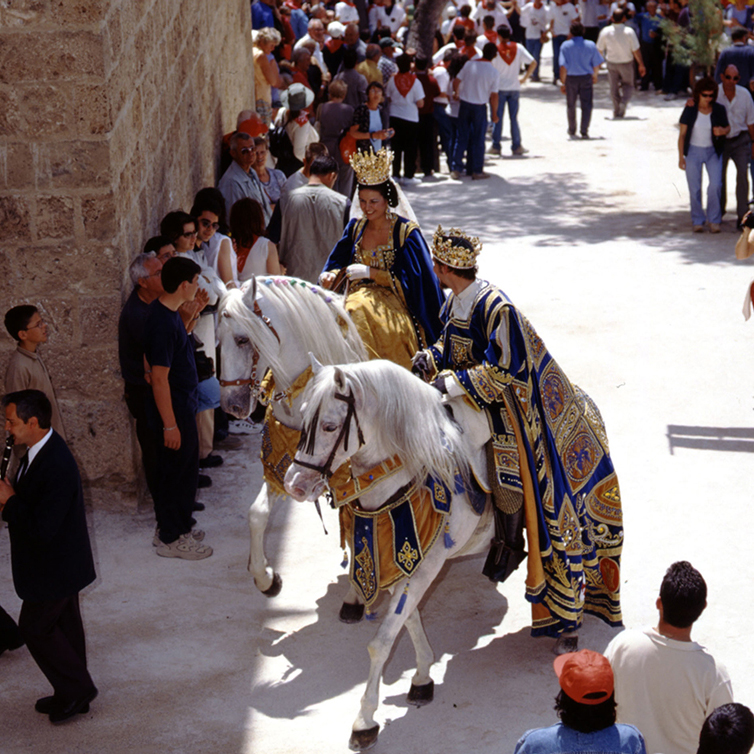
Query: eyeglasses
x=189, y=234
x=731, y=78
x=32, y=327
x=207, y=224
x=247, y=150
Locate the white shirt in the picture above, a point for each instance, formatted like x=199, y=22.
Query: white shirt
x=442, y=77
x=38, y=445
x=501, y=17
x=478, y=81
x=561, y=16
x=740, y=110
x=617, y=43
x=392, y=21
x=534, y=20
x=701, y=133
x=346, y=13
x=508, y=80
x=666, y=688
x=591, y=11
x=404, y=107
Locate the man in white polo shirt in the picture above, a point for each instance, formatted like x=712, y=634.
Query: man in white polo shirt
x=738, y=143
x=560, y=13
x=534, y=20
x=508, y=64
x=475, y=86
x=620, y=47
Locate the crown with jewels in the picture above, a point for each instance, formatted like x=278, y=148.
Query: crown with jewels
x=446, y=251
x=372, y=168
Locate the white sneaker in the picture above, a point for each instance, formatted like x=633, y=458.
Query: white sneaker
x=243, y=427
x=185, y=547
x=196, y=534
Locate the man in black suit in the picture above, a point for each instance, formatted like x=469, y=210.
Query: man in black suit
x=51, y=557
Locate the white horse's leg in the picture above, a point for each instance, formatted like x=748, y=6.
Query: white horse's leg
x=267, y=581
x=352, y=609
x=422, y=686
x=365, y=729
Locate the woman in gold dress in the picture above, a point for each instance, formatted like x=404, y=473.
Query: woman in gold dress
x=393, y=295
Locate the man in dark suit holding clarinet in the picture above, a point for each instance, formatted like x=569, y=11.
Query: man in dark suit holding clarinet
x=51, y=556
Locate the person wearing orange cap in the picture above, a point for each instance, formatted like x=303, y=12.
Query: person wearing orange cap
x=586, y=708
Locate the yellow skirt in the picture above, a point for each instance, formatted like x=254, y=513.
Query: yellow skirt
x=384, y=323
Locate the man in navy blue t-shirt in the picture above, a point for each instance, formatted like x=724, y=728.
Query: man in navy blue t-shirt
x=170, y=354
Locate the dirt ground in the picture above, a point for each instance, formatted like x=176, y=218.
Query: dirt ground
x=591, y=240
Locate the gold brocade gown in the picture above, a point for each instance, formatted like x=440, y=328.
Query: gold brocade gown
x=378, y=307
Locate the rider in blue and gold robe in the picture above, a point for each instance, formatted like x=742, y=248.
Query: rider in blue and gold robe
x=548, y=458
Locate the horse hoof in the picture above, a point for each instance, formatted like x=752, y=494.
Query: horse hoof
x=363, y=739
x=351, y=613
x=275, y=586
x=566, y=644
x=421, y=695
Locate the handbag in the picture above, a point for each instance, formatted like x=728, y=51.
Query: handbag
x=745, y=243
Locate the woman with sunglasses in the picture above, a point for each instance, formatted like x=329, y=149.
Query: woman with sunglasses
x=700, y=143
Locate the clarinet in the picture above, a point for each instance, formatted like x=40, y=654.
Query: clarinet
x=6, y=456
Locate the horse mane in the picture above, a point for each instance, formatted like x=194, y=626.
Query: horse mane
x=317, y=316
x=410, y=415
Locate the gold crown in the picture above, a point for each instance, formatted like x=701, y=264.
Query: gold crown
x=372, y=169
x=459, y=257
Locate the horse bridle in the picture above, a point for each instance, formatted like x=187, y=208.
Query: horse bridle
x=252, y=381
x=306, y=443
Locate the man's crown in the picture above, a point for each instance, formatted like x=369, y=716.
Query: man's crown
x=372, y=169
x=445, y=248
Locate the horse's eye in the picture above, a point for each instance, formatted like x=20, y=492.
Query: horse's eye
x=329, y=427
x=242, y=340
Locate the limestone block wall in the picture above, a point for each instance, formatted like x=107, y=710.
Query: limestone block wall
x=111, y=112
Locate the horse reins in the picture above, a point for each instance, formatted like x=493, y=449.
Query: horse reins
x=252, y=381
x=308, y=436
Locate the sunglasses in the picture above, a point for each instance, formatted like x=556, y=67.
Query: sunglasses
x=731, y=78
x=207, y=224
x=708, y=96
x=247, y=150
x=189, y=234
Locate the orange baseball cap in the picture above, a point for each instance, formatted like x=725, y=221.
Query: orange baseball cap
x=253, y=126
x=585, y=676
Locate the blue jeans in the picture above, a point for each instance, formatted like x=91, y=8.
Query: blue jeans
x=697, y=157
x=557, y=43
x=445, y=129
x=534, y=46
x=472, y=128
x=497, y=130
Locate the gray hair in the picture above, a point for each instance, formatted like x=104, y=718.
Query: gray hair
x=238, y=136
x=299, y=54
x=138, y=269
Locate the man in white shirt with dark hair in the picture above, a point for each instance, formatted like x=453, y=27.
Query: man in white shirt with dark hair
x=619, y=46
x=560, y=14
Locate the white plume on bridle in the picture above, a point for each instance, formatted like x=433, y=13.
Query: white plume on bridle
x=407, y=413
x=312, y=313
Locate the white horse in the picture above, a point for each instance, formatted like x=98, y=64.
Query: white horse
x=370, y=413
x=273, y=323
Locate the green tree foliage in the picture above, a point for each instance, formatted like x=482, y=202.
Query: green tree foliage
x=699, y=43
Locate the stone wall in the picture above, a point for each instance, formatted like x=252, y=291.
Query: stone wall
x=111, y=113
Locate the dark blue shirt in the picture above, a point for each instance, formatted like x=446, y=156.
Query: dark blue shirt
x=646, y=24
x=262, y=16
x=579, y=56
x=131, y=339
x=167, y=344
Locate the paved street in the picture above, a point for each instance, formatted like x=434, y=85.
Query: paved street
x=591, y=240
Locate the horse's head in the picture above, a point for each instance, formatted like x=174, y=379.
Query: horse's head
x=241, y=372
x=331, y=434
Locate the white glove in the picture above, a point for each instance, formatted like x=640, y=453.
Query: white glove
x=357, y=271
x=326, y=279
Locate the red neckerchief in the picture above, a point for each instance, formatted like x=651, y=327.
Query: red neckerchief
x=491, y=36
x=469, y=52
x=459, y=43
x=303, y=119
x=333, y=44
x=404, y=82
x=508, y=52
x=467, y=22
x=300, y=78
